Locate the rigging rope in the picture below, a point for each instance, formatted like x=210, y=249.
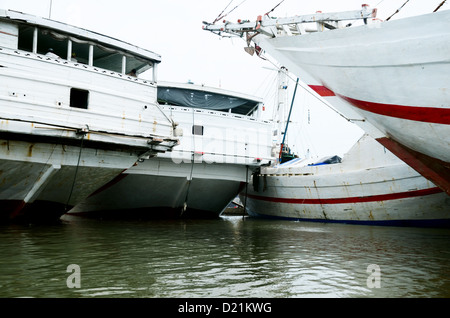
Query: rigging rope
x=398, y=10
x=218, y=17
x=275, y=7
x=189, y=181
x=439, y=6
x=76, y=172
x=246, y=191
x=224, y=15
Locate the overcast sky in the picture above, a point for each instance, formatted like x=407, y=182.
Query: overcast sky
x=173, y=29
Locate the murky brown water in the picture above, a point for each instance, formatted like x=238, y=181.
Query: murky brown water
x=228, y=257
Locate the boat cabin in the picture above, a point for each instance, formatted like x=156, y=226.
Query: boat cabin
x=19, y=31
x=65, y=76
x=208, y=98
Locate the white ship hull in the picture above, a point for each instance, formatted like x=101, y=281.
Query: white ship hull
x=40, y=181
x=163, y=189
x=370, y=186
x=68, y=127
x=200, y=177
x=394, y=75
x=390, y=78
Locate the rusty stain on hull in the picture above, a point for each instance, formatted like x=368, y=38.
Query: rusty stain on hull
x=30, y=150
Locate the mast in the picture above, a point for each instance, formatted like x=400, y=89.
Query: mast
x=279, y=112
x=50, y=10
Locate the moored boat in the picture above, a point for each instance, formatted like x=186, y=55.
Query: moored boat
x=224, y=141
x=389, y=77
x=73, y=115
x=369, y=185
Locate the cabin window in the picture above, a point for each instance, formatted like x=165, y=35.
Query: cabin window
x=50, y=40
x=197, y=130
x=78, y=50
x=108, y=59
x=25, y=38
x=79, y=98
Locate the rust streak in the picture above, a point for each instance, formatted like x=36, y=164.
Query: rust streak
x=30, y=151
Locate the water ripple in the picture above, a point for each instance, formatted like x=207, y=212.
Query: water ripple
x=230, y=257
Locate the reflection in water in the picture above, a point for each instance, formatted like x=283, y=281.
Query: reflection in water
x=229, y=257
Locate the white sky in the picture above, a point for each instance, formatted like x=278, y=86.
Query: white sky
x=173, y=29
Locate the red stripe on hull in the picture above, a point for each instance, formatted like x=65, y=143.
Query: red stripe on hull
x=423, y=114
x=372, y=198
x=432, y=169
x=322, y=90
